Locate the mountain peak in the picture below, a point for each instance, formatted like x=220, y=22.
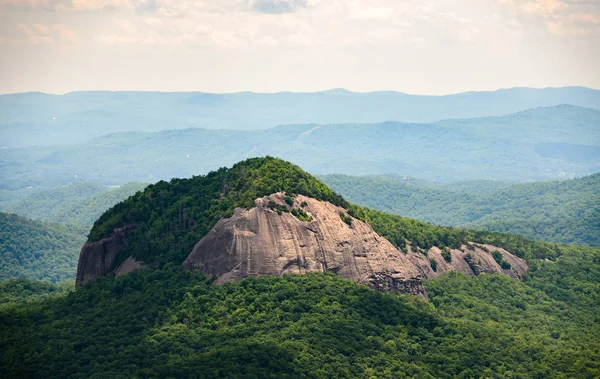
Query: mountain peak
x=162, y=223
x=267, y=216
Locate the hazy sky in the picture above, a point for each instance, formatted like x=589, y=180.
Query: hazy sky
x=426, y=47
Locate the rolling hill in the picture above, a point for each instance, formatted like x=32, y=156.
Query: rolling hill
x=78, y=203
x=38, y=250
x=558, y=211
x=519, y=147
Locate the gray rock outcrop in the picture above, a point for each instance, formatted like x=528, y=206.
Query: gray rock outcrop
x=99, y=258
x=269, y=239
x=263, y=241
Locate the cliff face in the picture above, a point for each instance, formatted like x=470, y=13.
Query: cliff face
x=472, y=260
x=270, y=240
x=97, y=259
x=260, y=241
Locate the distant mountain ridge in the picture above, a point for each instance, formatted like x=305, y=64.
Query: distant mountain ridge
x=516, y=147
x=29, y=119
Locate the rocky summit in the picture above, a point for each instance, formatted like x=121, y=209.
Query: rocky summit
x=297, y=234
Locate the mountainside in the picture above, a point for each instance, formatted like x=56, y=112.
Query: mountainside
x=558, y=211
x=172, y=322
x=80, y=203
x=38, y=250
x=520, y=147
x=266, y=216
x=26, y=291
x=29, y=119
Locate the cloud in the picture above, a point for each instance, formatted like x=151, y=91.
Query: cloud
x=536, y=6
x=585, y=18
x=249, y=24
x=67, y=5
x=243, y=24
x=559, y=17
x=39, y=34
x=371, y=13
x=154, y=22
x=145, y=6
x=36, y=34
x=278, y=6
x=65, y=34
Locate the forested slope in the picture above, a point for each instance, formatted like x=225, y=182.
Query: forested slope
x=80, y=203
x=558, y=211
x=169, y=322
x=25, y=291
x=38, y=250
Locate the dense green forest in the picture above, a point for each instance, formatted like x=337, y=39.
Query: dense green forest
x=559, y=211
x=173, y=323
x=80, y=203
x=168, y=322
x=38, y=250
x=25, y=291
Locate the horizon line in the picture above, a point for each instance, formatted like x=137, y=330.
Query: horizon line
x=331, y=90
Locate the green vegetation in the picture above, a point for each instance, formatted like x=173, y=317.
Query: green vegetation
x=499, y=259
x=79, y=204
x=446, y=254
x=497, y=256
x=25, y=291
x=347, y=219
x=173, y=323
x=301, y=214
x=433, y=264
x=38, y=250
x=171, y=217
x=558, y=211
x=423, y=235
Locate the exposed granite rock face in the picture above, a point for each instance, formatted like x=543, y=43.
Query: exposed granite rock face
x=98, y=258
x=475, y=259
x=129, y=265
x=259, y=241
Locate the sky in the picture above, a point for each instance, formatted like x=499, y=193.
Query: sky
x=413, y=46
